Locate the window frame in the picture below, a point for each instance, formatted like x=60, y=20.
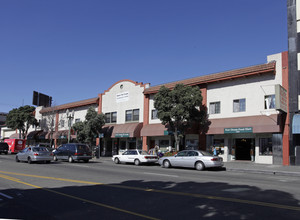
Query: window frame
x=241, y=106
x=215, y=104
x=130, y=116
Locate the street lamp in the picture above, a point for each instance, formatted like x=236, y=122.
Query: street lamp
x=70, y=117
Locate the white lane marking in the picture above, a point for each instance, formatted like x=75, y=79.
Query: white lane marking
x=6, y=196
x=160, y=174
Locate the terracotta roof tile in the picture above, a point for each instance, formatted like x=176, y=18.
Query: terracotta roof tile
x=227, y=75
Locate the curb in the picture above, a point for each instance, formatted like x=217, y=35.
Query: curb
x=269, y=172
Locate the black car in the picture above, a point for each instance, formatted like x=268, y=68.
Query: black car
x=4, y=147
x=72, y=152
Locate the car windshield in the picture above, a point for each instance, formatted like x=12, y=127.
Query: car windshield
x=205, y=153
x=40, y=149
x=142, y=152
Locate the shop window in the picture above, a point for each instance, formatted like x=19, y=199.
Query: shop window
x=270, y=102
x=132, y=115
x=265, y=146
x=214, y=108
x=163, y=145
x=239, y=105
x=154, y=114
x=191, y=144
x=219, y=145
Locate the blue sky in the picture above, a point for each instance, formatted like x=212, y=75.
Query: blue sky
x=75, y=49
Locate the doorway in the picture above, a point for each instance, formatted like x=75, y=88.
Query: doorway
x=243, y=148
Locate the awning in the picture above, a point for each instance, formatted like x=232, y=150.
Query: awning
x=63, y=134
x=258, y=124
x=296, y=124
x=42, y=135
x=127, y=130
x=14, y=136
x=154, y=130
x=32, y=135
x=106, y=131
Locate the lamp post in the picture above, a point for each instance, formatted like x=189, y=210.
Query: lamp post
x=70, y=117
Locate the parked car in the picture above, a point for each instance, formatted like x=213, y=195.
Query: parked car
x=193, y=159
x=34, y=154
x=135, y=156
x=73, y=151
x=4, y=147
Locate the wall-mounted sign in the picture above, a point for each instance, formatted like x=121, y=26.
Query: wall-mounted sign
x=121, y=135
x=238, y=130
x=280, y=98
x=122, y=97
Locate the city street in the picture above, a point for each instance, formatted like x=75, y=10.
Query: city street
x=103, y=190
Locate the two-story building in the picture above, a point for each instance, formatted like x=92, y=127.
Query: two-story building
x=247, y=110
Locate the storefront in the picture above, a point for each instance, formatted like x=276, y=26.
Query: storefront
x=115, y=139
x=253, y=138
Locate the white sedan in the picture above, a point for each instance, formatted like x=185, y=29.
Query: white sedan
x=135, y=156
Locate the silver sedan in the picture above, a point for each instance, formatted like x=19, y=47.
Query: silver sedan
x=193, y=159
x=35, y=154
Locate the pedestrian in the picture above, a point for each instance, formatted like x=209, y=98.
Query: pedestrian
x=156, y=148
x=215, y=152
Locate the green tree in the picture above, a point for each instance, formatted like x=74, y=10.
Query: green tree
x=21, y=119
x=90, y=129
x=179, y=108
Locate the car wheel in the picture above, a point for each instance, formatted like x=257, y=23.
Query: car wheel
x=17, y=159
x=55, y=158
x=166, y=164
x=29, y=160
x=6, y=152
x=117, y=161
x=137, y=162
x=199, y=166
x=48, y=161
x=86, y=161
x=71, y=159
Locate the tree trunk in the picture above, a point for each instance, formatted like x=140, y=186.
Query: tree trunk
x=176, y=139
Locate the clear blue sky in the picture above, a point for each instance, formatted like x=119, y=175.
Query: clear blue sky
x=75, y=49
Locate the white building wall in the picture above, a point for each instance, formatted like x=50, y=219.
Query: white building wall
x=253, y=89
x=124, y=95
x=151, y=107
x=79, y=113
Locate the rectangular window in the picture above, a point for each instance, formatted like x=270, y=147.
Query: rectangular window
x=239, y=105
x=132, y=115
x=77, y=120
x=111, y=117
x=270, y=102
x=265, y=146
x=62, y=123
x=107, y=117
x=154, y=114
x=214, y=108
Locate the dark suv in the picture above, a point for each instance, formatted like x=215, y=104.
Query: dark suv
x=73, y=151
x=4, y=147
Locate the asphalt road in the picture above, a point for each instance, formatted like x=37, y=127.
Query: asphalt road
x=103, y=190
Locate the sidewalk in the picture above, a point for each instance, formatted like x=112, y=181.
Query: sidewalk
x=251, y=167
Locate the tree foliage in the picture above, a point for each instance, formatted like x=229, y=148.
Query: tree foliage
x=89, y=130
x=179, y=108
x=21, y=119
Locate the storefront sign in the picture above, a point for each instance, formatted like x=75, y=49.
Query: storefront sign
x=280, y=98
x=121, y=135
x=168, y=132
x=238, y=130
x=122, y=97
